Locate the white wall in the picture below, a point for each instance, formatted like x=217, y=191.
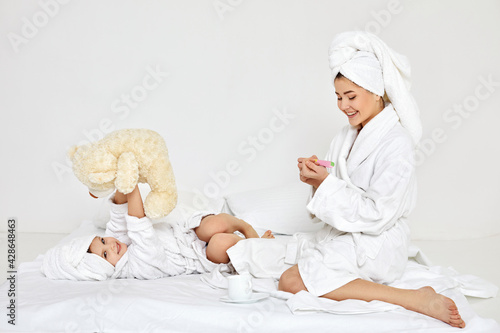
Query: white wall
x=63, y=76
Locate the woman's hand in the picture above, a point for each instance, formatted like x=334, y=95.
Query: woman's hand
x=310, y=173
x=302, y=160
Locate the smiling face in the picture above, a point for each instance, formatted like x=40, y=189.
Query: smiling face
x=358, y=104
x=108, y=248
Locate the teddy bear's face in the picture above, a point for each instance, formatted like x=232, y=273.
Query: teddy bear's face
x=96, y=168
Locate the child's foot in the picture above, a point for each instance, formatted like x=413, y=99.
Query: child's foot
x=268, y=234
x=247, y=230
x=435, y=305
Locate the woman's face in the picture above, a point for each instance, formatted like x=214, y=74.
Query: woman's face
x=358, y=104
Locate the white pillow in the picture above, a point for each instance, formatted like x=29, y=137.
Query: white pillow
x=188, y=202
x=279, y=209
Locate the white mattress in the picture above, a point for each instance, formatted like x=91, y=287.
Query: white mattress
x=186, y=304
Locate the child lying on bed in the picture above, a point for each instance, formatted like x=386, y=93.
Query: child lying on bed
x=133, y=248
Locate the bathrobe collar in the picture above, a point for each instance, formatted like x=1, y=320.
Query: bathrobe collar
x=366, y=140
x=120, y=265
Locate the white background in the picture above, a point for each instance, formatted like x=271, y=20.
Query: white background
x=65, y=68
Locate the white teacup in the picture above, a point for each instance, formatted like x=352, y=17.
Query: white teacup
x=239, y=287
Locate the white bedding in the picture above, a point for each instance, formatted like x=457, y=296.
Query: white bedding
x=187, y=304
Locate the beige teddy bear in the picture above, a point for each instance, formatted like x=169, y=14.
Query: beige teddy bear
x=124, y=158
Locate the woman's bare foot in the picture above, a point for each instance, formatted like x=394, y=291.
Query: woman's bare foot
x=435, y=305
x=268, y=234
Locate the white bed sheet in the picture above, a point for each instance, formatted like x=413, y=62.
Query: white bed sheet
x=186, y=304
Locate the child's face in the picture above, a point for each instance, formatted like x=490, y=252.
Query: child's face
x=109, y=248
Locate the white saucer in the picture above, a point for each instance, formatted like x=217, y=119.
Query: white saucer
x=255, y=297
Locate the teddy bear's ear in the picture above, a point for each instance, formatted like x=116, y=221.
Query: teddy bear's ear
x=102, y=177
x=72, y=152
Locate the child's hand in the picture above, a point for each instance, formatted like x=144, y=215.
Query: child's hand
x=312, y=174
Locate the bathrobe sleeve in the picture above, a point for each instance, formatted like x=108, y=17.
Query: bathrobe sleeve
x=150, y=259
x=376, y=208
x=117, y=224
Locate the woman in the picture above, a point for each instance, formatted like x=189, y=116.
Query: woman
x=365, y=199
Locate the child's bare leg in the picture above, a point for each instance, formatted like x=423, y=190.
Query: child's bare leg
x=424, y=300
x=223, y=223
x=218, y=245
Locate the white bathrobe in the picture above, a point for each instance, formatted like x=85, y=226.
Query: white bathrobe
x=364, y=203
x=156, y=251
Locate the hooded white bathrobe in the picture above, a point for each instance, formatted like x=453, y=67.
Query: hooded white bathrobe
x=364, y=202
x=156, y=251
x=153, y=251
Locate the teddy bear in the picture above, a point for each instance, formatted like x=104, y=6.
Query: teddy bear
x=124, y=158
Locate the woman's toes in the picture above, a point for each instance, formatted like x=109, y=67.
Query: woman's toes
x=457, y=323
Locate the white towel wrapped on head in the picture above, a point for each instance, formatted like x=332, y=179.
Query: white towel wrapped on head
x=364, y=69
x=71, y=261
x=349, y=55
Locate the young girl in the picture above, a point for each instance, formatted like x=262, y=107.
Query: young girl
x=134, y=248
x=366, y=197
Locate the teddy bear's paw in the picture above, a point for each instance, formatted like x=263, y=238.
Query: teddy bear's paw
x=159, y=204
x=127, y=174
